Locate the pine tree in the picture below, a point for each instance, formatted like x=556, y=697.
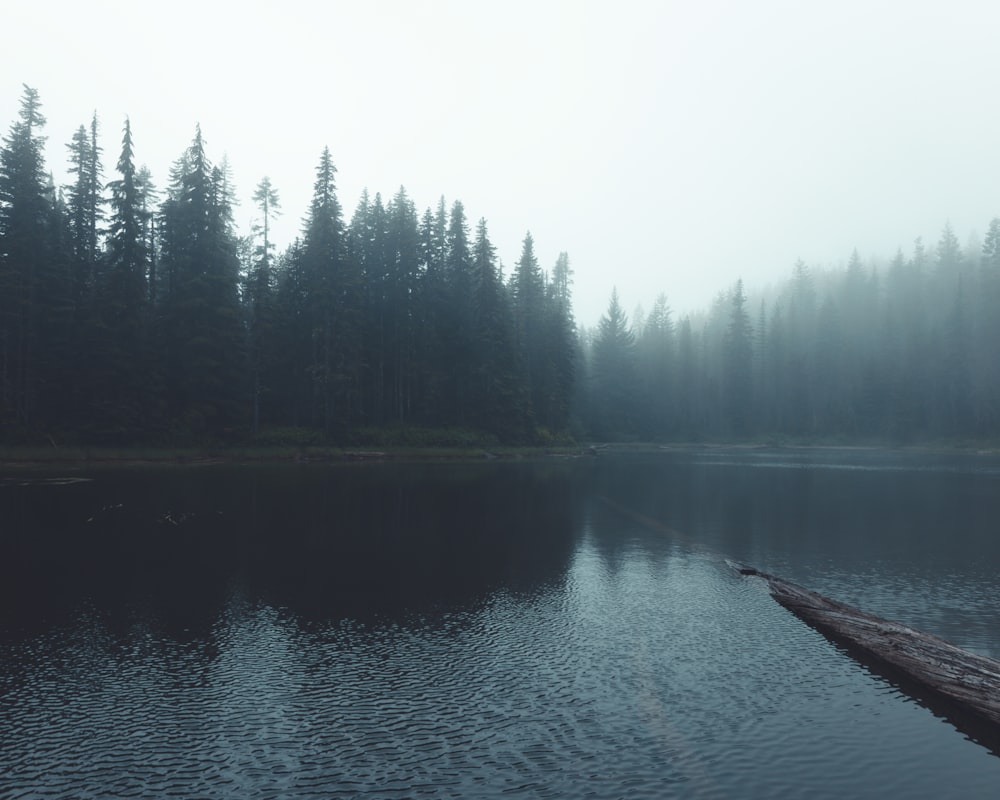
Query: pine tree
x=614, y=374
x=126, y=245
x=269, y=206
x=122, y=361
x=84, y=260
x=431, y=365
x=201, y=320
x=496, y=396
x=774, y=368
x=402, y=248
x=738, y=364
x=800, y=377
x=528, y=290
x=828, y=412
x=952, y=379
x=259, y=299
x=84, y=205
x=986, y=354
x=456, y=314
x=689, y=422
x=367, y=248
x=148, y=197
x=329, y=289
x=655, y=359
x=561, y=348
x=24, y=227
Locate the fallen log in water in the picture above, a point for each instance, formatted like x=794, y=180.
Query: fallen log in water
x=969, y=680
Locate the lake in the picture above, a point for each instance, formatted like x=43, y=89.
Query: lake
x=537, y=628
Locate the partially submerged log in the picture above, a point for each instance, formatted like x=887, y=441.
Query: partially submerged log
x=364, y=455
x=970, y=681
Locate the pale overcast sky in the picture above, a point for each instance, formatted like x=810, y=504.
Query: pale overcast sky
x=666, y=146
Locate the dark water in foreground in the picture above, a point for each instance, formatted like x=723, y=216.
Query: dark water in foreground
x=554, y=629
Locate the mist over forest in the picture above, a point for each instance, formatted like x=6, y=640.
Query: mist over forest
x=132, y=310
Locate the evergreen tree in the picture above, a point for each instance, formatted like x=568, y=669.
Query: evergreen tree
x=431, y=365
x=58, y=339
x=902, y=347
x=774, y=368
x=364, y=246
x=829, y=412
x=953, y=380
x=561, y=349
x=655, y=359
x=949, y=253
x=458, y=351
x=25, y=221
x=269, y=206
x=759, y=356
x=738, y=364
x=401, y=296
x=201, y=320
x=127, y=247
x=121, y=358
x=384, y=241
x=614, y=375
x=799, y=378
x=328, y=291
x=148, y=197
x=689, y=421
x=83, y=214
x=84, y=205
x=528, y=289
x=259, y=299
x=986, y=353
x=496, y=395
x=945, y=275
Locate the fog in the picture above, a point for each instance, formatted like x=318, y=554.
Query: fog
x=670, y=147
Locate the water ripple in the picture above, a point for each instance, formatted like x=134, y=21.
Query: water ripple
x=649, y=675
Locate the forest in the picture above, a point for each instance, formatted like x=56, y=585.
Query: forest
x=133, y=313
x=905, y=352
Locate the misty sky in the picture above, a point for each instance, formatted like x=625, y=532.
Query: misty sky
x=666, y=146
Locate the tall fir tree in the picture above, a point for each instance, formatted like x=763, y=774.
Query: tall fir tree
x=555, y=393
x=614, y=374
x=431, y=368
x=528, y=289
x=200, y=306
x=457, y=351
x=329, y=293
x=259, y=300
x=25, y=223
x=122, y=360
x=497, y=394
x=402, y=297
x=655, y=360
x=738, y=364
x=986, y=355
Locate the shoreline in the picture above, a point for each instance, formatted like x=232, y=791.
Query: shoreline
x=38, y=457
x=34, y=458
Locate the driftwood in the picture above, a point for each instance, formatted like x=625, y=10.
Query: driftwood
x=921, y=660
x=364, y=455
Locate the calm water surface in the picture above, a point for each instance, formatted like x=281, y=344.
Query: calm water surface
x=535, y=629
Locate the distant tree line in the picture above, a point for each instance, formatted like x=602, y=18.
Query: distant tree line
x=906, y=352
x=131, y=313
